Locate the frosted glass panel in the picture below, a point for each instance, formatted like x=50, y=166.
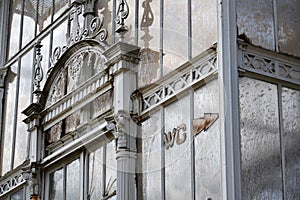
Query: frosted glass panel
x=60, y=35
x=44, y=14
x=151, y=157
x=255, y=20
x=208, y=144
x=15, y=18
x=28, y=22
x=291, y=123
x=8, y=121
x=45, y=61
x=111, y=168
x=289, y=26
x=59, y=7
x=73, y=180
x=175, y=34
x=24, y=101
x=260, y=140
x=95, y=174
x=178, y=156
x=17, y=195
x=204, y=25
x=56, y=185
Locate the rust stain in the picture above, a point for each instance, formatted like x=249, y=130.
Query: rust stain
x=204, y=123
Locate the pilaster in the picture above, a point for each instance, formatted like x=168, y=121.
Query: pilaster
x=122, y=62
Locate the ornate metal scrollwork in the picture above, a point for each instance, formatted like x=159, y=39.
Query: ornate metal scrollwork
x=122, y=14
x=38, y=72
x=170, y=137
x=96, y=29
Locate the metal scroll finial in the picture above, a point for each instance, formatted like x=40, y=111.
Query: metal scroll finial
x=38, y=71
x=122, y=14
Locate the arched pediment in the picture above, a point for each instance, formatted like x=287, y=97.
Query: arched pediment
x=77, y=64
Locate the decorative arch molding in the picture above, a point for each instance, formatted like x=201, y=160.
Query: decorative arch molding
x=82, y=58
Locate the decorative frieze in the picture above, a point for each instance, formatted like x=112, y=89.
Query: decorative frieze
x=11, y=183
x=270, y=64
x=181, y=80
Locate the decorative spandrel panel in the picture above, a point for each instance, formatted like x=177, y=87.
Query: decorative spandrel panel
x=260, y=140
x=291, y=140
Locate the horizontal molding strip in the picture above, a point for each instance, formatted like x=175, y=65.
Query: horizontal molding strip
x=76, y=99
x=268, y=63
x=202, y=68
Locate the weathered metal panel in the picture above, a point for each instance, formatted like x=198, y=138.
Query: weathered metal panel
x=260, y=140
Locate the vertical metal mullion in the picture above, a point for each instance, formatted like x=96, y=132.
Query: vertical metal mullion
x=192, y=145
x=21, y=25
x=51, y=34
x=161, y=41
x=281, y=131
x=136, y=22
x=189, y=29
x=114, y=22
x=82, y=165
x=15, y=116
x=275, y=25
x=163, y=172
x=104, y=170
x=64, y=182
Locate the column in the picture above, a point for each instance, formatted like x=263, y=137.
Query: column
x=122, y=62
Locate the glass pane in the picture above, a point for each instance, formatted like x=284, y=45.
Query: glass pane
x=29, y=21
x=8, y=122
x=204, y=25
x=17, y=195
x=60, y=35
x=73, y=180
x=175, y=34
x=151, y=157
x=207, y=144
x=291, y=124
x=111, y=168
x=24, y=101
x=59, y=7
x=44, y=14
x=149, y=33
x=255, y=20
x=129, y=23
x=95, y=175
x=56, y=185
x=45, y=61
x=289, y=26
x=178, y=156
x=260, y=140
x=104, y=9
x=15, y=23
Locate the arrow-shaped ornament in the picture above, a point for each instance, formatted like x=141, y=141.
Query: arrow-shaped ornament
x=204, y=123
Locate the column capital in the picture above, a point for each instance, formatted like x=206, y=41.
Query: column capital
x=122, y=56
